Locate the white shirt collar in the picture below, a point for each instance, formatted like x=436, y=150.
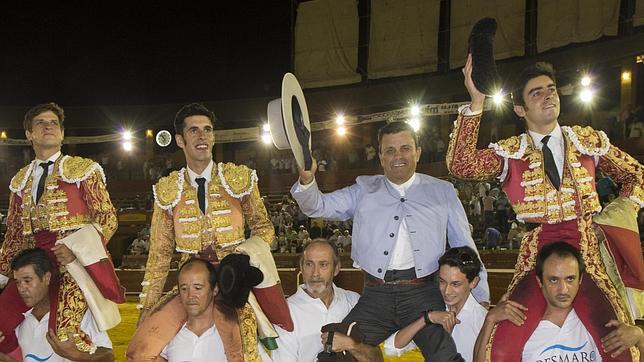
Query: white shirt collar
x=305, y=297
x=469, y=305
x=53, y=158
x=404, y=186
x=207, y=173
x=556, y=135
x=29, y=315
x=207, y=332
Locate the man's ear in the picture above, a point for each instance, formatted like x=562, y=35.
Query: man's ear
x=475, y=282
x=28, y=135
x=519, y=110
x=337, y=270
x=179, y=139
x=538, y=281
x=46, y=278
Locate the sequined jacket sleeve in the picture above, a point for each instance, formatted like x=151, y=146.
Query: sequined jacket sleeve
x=256, y=216
x=626, y=172
x=463, y=159
x=99, y=204
x=14, y=241
x=159, y=257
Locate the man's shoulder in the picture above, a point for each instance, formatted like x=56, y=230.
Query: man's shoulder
x=587, y=140
x=370, y=180
x=297, y=297
x=167, y=191
x=77, y=169
x=238, y=180
x=349, y=295
x=19, y=180
x=433, y=181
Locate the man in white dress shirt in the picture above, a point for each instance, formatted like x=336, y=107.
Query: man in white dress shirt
x=199, y=339
x=316, y=303
x=32, y=271
x=560, y=336
x=463, y=318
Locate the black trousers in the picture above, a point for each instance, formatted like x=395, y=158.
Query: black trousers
x=385, y=309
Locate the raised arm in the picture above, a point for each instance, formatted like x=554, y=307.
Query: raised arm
x=505, y=310
x=463, y=159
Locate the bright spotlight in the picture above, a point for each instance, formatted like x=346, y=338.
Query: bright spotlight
x=585, y=81
x=266, y=127
x=3, y=134
x=127, y=146
x=126, y=135
x=266, y=138
x=497, y=98
x=415, y=110
x=414, y=123
x=341, y=131
x=339, y=119
x=626, y=76
x=586, y=96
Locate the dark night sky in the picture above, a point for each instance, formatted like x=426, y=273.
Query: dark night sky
x=142, y=52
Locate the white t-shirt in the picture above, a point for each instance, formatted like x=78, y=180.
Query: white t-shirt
x=31, y=334
x=309, y=315
x=188, y=347
x=571, y=342
x=472, y=316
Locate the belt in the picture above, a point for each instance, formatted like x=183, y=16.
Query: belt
x=371, y=281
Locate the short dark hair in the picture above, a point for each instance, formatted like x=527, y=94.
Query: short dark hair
x=528, y=73
x=396, y=127
x=464, y=258
x=27, y=123
x=322, y=241
x=192, y=109
x=212, y=273
x=561, y=249
x=36, y=257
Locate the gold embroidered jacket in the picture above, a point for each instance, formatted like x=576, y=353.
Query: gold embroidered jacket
x=520, y=166
x=178, y=223
x=75, y=195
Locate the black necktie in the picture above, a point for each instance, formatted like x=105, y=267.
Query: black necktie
x=41, y=182
x=201, y=193
x=549, y=162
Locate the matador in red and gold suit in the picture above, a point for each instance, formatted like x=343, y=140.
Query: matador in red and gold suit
x=608, y=241
x=74, y=197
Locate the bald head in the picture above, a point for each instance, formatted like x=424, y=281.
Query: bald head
x=321, y=245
